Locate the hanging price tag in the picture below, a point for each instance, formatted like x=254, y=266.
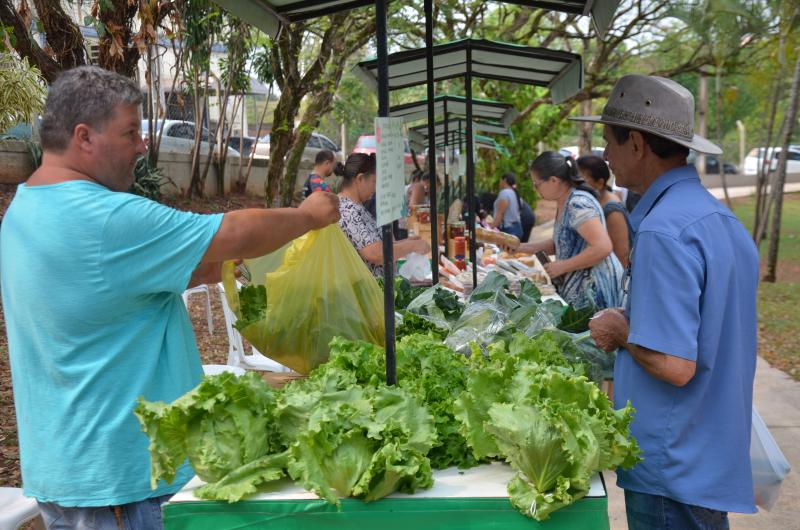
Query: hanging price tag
x=390, y=176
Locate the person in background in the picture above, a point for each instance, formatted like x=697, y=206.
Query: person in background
x=595, y=172
x=419, y=190
x=526, y=216
x=586, y=271
x=686, y=342
x=358, y=185
x=506, y=207
x=323, y=168
x=103, y=323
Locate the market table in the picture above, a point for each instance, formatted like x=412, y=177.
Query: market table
x=473, y=499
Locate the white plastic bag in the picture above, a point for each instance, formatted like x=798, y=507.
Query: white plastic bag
x=417, y=268
x=769, y=465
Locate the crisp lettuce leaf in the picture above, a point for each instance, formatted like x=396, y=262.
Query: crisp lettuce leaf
x=222, y=424
x=362, y=441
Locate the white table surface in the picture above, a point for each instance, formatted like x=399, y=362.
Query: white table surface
x=485, y=481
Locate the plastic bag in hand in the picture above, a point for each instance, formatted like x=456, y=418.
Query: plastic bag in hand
x=320, y=290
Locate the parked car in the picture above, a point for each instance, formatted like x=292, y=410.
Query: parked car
x=178, y=137
x=574, y=152
x=712, y=164
x=243, y=144
x=760, y=155
x=366, y=144
x=315, y=144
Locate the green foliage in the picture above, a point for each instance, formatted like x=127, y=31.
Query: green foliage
x=23, y=93
x=147, y=179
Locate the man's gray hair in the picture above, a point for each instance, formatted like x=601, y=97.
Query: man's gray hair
x=87, y=94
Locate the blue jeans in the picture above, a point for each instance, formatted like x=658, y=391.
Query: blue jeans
x=515, y=229
x=141, y=515
x=653, y=512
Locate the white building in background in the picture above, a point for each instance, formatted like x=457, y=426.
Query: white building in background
x=164, y=77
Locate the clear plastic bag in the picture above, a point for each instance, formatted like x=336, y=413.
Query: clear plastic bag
x=320, y=289
x=769, y=465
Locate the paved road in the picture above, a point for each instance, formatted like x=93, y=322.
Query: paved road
x=714, y=181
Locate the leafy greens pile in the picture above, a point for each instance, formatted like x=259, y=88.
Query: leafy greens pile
x=503, y=377
x=528, y=405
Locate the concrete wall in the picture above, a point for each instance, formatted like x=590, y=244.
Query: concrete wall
x=16, y=165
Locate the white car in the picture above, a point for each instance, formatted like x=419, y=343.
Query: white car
x=315, y=144
x=758, y=155
x=178, y=137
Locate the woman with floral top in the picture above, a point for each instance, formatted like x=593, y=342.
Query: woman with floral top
x=358, y=186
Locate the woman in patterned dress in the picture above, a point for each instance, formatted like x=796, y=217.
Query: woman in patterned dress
x=358, y=186
x=585, y=272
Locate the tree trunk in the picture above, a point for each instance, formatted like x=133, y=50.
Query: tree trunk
x=585, y=139
x=280, y=141
x=702, y=119
x=117, y=51
x=762, y=170
x=718, y=97
x=63, y=38
x=791, y=119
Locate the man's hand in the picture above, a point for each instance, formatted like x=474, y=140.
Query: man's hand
x=322, y=209
x=609, y=329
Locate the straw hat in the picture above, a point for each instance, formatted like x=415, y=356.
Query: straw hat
x=655, y=105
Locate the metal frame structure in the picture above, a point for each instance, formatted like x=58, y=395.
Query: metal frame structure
x=272, y=15
x=561, y=72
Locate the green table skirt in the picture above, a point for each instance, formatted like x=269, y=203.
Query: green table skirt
x=398, y=512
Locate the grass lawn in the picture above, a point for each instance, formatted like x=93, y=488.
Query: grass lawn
x=779, y=302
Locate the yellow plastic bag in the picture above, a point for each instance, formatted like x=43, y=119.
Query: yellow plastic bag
x=320, y=289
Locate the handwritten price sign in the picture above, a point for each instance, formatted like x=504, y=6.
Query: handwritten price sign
x=390, y=175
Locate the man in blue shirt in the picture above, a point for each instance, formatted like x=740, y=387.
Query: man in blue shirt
x=687, y=337
x=91, y=283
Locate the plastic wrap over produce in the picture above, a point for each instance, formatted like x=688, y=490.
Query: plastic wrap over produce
x=317, y=289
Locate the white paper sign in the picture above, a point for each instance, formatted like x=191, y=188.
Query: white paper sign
x=391, y=178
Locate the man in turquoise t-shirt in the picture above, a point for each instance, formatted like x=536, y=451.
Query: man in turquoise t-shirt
x=91, y=283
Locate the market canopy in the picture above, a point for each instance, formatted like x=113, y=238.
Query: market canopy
x=269, y=15
x=602, y=11
x=449, y=106
x=419, y=141
x=456, y=124
x=561, y=72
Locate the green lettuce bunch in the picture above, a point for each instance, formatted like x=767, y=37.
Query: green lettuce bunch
x=543, y=416
x=225, y=427
x=428, y=370
x=348, y=440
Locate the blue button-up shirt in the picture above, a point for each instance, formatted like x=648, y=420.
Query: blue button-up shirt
x=692, y=294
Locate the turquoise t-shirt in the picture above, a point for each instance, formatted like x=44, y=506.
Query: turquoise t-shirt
x=91, y=285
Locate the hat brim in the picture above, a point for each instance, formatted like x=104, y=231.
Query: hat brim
x=698, y=143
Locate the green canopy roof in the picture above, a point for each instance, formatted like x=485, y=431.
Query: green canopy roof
x=482, y=109
x=561, y=72
x=268, y=15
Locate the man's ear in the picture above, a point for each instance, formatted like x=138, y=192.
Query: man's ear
x=638, y=144
x=82, y=136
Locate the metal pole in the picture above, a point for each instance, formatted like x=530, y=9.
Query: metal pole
x=471, y=172
x=388, y=239
x=446, y=183
x=431, y=141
